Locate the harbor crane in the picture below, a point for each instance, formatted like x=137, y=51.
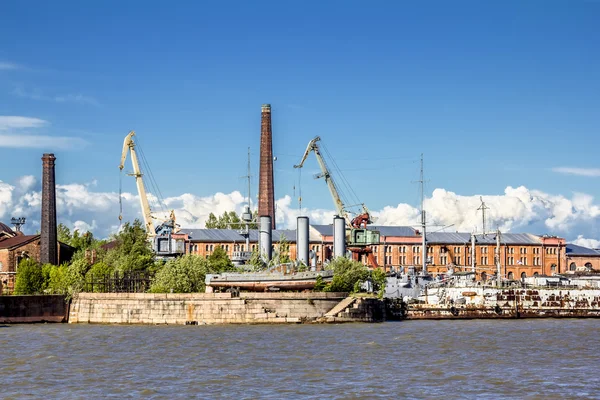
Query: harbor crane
x=169, y=224
x=359, y=237
x=358, y=222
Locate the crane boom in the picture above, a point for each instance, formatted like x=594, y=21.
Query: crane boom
x=129, y=145
x=314, y=147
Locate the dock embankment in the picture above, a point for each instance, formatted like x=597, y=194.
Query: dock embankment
x=221, y=308
x=35, y=308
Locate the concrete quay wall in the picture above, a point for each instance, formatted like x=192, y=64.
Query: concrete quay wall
x=203, y=308
x=36, y=308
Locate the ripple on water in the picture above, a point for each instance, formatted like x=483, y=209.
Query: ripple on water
x=417, y=359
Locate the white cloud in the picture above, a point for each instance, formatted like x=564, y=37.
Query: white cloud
x=517, y=210
x=13, y=136
x=17, y=122
x=42, y=142
x=589, y=243
x=592, y=172
x=8, y=66
x=37, y=94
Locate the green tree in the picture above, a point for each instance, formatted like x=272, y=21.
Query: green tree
x=212, y=222
x=379, y=279
x=30, y=278
x=58, y=281
x=256, y=263
x=219, y=262
x=234, y=220
x=284, y=250
x=348, y=275
x=64, y=234
x=132, y=252
x=229, y=220
x=181, y=275
x=82, y=241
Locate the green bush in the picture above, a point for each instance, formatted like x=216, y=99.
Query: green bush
x=379, y=280
x=30, y=278
x=58, y=281
x=219, y=262
x=348, y=275
x=181, y=275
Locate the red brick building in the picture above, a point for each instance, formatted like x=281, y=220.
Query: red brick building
x=521, y=254
x=14, y=246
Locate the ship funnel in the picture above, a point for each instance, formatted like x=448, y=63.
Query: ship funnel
x=339, y=237
x=266, y=246
x=302, y=239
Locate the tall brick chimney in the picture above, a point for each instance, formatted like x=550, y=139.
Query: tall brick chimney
x=48, y=245
x=266, y=188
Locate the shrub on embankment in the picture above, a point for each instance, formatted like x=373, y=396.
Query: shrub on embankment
x=349, y=276
x=187, y=274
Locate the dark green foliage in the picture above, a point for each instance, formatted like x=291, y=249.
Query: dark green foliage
x=76, y=240
x=59, y=280
x=284, y=250
x=379, y=280
x=181, y=275
x=133, y=251
x=229, y=220
x=319, y=284
x=218, y=261
x=30, y=278
x=347, y=275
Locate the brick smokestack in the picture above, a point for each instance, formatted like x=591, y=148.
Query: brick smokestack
x=266, y=188
x=48, y=245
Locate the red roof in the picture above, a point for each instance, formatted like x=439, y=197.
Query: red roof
x=17, y=241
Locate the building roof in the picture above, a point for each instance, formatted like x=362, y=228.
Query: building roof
x=17, y=241
x=7, y=229
x=575, y=250
x=400, y=231
x=464, y=238
x=232, y=235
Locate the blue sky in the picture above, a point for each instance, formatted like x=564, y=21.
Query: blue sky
x=494, y=94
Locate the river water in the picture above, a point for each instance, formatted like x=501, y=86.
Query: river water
x=532, y=359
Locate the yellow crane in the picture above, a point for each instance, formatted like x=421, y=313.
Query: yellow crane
x=129, y=146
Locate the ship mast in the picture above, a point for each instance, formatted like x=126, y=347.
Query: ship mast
x=423, y=222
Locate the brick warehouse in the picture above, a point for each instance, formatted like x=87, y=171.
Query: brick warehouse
x=14, y=246
x=521, y=254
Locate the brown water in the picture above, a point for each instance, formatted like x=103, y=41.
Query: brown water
x=532, y=359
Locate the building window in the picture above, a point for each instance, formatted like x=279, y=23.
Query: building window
x=511, y=250
x=430, y=249
x=416, y=260
x=511, y=276
x=553, y=267
x=443, y=250
x=457, y=260
x=572, y=267
x=443, y=260
x=523, y=261
x=211, y=247
x=484, y=250
x=206, y=247
x=484, y=261
x=469, y=260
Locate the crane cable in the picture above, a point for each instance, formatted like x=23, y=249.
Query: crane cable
x=120, y=198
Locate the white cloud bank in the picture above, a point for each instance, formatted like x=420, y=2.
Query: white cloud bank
x=517, y=210
x=14, y=134
x=8, y=122
x=591, y=172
